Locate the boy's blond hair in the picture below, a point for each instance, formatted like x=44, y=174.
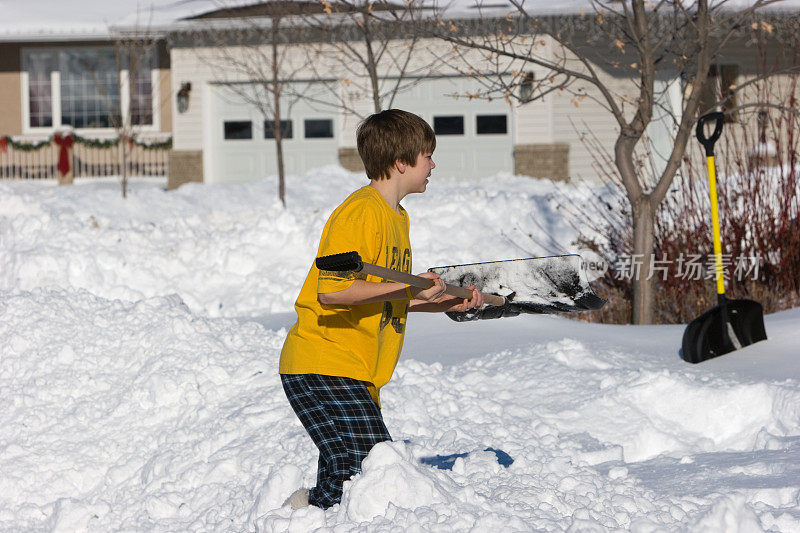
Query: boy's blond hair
x=392, y=135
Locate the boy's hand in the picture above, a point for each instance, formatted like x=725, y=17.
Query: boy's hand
x=434, y=294
x=442, y=301
x=475, y=302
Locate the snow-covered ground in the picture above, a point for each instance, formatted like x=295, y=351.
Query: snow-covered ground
x=139, y=342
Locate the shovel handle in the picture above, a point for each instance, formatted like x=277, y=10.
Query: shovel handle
x=709, y=142
x=425, y=283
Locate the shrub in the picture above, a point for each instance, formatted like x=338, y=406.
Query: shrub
x=758, y=194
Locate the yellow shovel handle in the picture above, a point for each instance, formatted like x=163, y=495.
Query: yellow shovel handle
x=712, y=183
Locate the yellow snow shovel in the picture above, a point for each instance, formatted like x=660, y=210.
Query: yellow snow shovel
x=731, y=324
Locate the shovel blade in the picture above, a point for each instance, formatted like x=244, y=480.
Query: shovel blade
x=535, y=285
x=709, y=335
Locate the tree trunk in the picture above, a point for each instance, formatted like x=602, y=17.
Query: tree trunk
x=643, y=281
x=372, y=66
x=276, y=102
x=643, y=228
x=279, y=156
x=123, y=163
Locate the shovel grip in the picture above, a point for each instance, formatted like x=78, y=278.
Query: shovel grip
x=709, y=142
x=340, y=262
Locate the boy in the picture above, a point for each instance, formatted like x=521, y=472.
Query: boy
x=349, y=330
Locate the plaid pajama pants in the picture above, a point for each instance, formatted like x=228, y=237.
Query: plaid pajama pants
x=344, y=423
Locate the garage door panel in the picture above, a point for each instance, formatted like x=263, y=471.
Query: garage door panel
x=243, y=165
x=232, y=158
x=466, y=153
x=451, y=162
x=292, y=160
x=486, y=162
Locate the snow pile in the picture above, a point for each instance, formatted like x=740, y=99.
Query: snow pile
x=391, y=478
x=234, y=251
x=117, y=414
x=130, y=401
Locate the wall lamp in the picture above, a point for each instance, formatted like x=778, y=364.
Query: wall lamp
x=183, y=96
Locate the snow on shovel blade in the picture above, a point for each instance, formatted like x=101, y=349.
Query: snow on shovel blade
x=535, y=285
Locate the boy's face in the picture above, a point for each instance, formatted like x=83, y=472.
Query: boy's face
x=417, y=175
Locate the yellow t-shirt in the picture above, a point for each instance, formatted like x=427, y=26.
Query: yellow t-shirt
x=362, y=342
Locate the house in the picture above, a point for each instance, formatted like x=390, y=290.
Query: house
x=219, y=118
x=63, y=69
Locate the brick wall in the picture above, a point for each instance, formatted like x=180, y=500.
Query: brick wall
x=542, y=160
x=349, y=159
x=185, y=166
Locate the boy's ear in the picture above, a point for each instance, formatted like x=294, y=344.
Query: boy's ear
x=400, y=166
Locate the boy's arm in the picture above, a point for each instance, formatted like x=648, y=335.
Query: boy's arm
x=365, y=292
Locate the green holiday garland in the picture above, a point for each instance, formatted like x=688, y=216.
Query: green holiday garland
x=162, y=145
x=94, y=143
x=26, y=147
x=85, y=141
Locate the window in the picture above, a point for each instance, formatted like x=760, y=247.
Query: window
x=84, y=84
x=238, y=130
x=89, y=89
x=491, y=124
x=40, y=91
x=286, y=129
x=140, y=69
x=450, y=125
x=319, y=128
x=722, y=79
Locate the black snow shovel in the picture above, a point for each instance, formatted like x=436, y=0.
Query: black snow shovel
x=535, y=285
x=731, y=324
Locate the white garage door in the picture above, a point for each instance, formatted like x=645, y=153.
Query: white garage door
x=243, y=146
x=473, y=137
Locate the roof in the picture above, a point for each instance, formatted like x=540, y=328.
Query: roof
x=52, y=20
x=59, y=20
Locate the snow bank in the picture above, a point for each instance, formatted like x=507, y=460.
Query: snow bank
x=680, y=414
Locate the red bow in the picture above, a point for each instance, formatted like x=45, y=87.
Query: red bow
x=63, y=156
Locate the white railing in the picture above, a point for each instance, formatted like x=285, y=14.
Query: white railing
x=86, y=161
x=39, y=163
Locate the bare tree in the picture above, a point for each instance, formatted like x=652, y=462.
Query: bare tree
x=116, y=73
x=137, y=53
x=587, y=55
x=252, y=55
x=372, y=46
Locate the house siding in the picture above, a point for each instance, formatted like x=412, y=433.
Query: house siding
x=10, y=103
x=187, y=66
x=10, y=90
x=163, y=105
x=587, y=128
x=165, y=96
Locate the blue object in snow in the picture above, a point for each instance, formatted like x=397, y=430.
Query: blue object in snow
x=446, y=462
